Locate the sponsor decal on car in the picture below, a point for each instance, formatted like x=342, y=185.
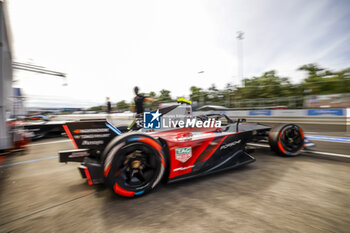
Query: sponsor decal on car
x=86, y=136
x=183, y=154
x=86, y=143
x=185, y=138
x=98, y=130
x=182, y=168
x=78, y=154
x=223, y=147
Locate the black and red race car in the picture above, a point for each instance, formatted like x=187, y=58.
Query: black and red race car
x=133, y=163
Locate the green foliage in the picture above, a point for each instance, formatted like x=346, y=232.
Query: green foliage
x=164, y=96
x=266, y=86
x=152, y=94
x=122, y=105
x=321, y=81
x=269, y=85
x=318, y=81
x=96, y=108
x=196, y=93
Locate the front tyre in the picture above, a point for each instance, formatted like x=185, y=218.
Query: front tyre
x=286, y=139
x=134, y=164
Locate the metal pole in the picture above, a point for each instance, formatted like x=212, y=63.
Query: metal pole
x=240, y=38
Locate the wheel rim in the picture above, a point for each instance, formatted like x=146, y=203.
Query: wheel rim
x=138, y=167
x=292, y=139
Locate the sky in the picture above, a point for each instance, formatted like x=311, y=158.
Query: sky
x=108, y=47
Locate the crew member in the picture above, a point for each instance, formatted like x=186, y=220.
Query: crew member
x=109, y=107
x=139, y=99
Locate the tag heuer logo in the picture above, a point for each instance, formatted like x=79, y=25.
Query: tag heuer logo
x=183, y=154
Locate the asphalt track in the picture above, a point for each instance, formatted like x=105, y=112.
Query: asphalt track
x=274, y=194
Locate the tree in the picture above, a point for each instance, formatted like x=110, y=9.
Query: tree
x=321, y=81
x=312, y=69
x=213, y=93
x=313, y=83
x=152, y=94
x=268, y=85
x=122, y=105
x=164, y=96
x=198, y=94
x=96, y=108
x=229, y=94
x=151, y=105
x=344, y=81
x=195, y=94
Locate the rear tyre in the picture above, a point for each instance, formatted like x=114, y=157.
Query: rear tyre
x=286, y=139
x=134, y=164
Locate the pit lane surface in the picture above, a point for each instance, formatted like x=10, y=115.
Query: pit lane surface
x=274, y=194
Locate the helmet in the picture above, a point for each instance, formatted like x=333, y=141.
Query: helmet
x=136, y=90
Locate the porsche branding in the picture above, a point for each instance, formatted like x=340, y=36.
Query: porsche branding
x=230, y=144
x=183, y=154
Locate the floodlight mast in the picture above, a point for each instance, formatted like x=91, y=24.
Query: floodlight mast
x=240, y=37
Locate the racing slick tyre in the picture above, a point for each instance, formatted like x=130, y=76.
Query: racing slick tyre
x=134, y=164
x=286, y=139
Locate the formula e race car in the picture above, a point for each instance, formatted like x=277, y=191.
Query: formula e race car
x=133, y=163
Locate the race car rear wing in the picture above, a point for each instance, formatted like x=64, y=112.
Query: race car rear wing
x=89, y=137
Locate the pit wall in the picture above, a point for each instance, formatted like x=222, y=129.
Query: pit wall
x=335, y=116
x=301, y=116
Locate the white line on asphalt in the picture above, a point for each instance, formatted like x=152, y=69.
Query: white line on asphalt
x=28, y=161
x=306, y=151
x=321, y=140
x=44, y=143
x=327, y=153
x=327, y=138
